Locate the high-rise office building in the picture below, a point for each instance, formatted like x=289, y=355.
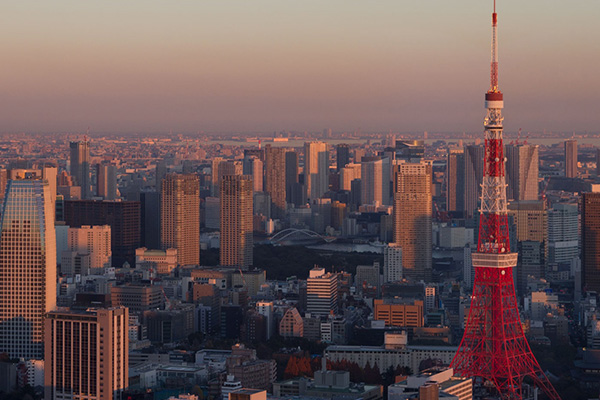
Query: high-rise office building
x=3, y=182
x=413, y=218
x=255, y=152
x=46, y=172
x=531, y=220
x=88, y=250
x=106, y=181
x=590, y=241
x=342, y=152
x=293, y=189
x=571, y=158
x=316, y=170
x=237, y=242
x=455, y=180
x=80, y=166
x=392, y=263
x=563, y=233
x=123, y=218
x=474, y=156
x=275, y=179
x=180, y=217
x=321, y=292
x=411, y=151
x=375, y=180
x=161, y=171
x=215, y=164
x=229, y=167
x=265, y=308
x=27, y=267
x=86, y=354
x=212, y=212
x=150, y=224
x=349, y=173
x=522, y=167
x=254, y=167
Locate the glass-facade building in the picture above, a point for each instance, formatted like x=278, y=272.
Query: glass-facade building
x=27, y=267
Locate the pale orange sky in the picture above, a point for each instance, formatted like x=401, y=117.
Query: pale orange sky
x=383, y=65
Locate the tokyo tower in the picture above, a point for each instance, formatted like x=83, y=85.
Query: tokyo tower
x=494, y=350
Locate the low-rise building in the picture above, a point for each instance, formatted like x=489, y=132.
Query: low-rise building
x=442, y=379
x=327, y=385
x=248, y=394
x=291, y=325
x=397, y=312
x=391, y=354
x=161, y=262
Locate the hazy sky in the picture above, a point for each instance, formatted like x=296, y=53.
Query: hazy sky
x=257, y=65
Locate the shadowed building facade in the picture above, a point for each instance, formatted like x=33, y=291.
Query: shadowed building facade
x=590, y=240
x=455, y=180
x=123, y=218
x=571, y=158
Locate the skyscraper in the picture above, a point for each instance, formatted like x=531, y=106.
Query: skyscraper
x=563, y=233
x=342, y=156
x=571, y=158
x=473, y=177
x=3, y=182
x=413, y=218
x=392, y=263
x=88, y=251
x=80, y=166
x=106, y=181
x=455, y=180
x=236, y=221
x=531, y=220
x=123, y=218
x=522, y=167
x=275, y=179
x=86, y=354
x=215, y=175
x=590, y=240
x=27, y=267
x=375, y=180
x=316, y=170
x=411, y=151
x=253, y=166
x=161, y=171
x=180, y=217
x=349, y=173
x=291, y=178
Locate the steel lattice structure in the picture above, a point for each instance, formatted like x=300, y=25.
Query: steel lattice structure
x=494, y=349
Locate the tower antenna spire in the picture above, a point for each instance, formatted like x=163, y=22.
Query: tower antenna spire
x=494, y=64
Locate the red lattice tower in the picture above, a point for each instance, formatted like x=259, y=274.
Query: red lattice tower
x=494, y=350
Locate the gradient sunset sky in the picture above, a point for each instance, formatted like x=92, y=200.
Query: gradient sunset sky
x=257, y=65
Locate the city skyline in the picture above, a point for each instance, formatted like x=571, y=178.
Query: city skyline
x=374, y=264
x=266, y=66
